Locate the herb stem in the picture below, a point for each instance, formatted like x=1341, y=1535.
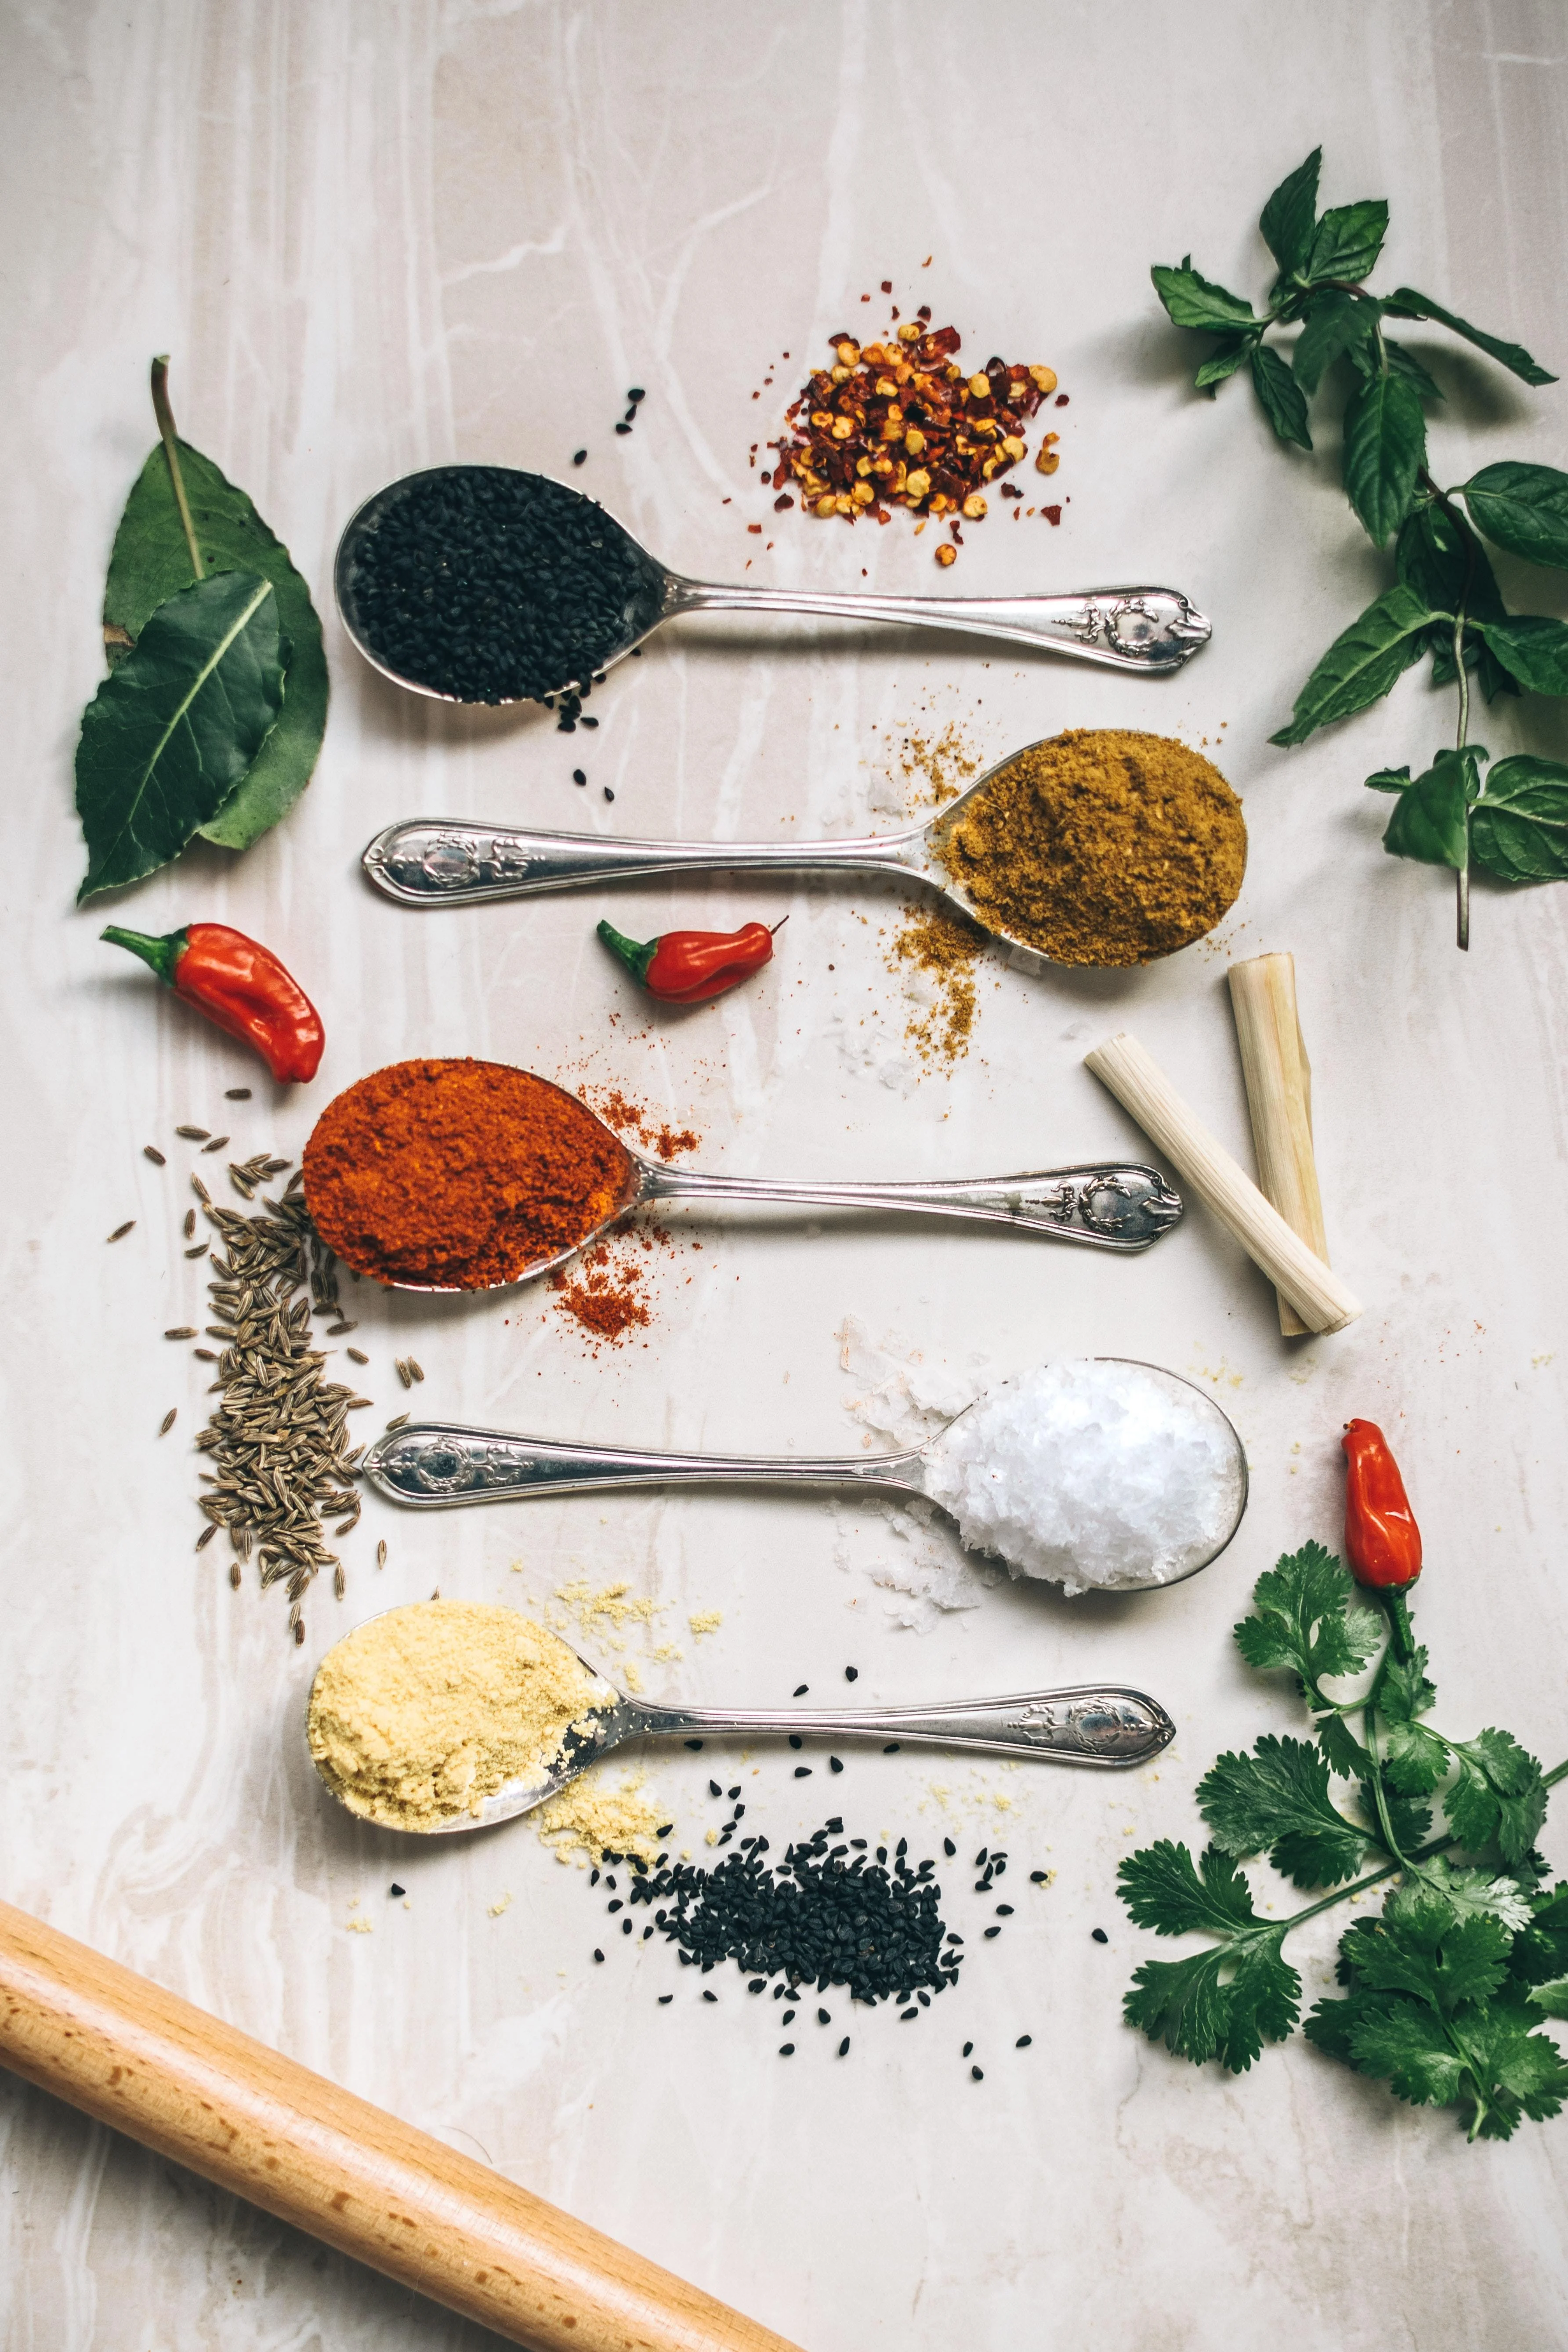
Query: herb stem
x=165, y=416
x=1380, y=1794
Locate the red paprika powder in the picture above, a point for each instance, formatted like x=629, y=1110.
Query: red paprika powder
x=457, y=1175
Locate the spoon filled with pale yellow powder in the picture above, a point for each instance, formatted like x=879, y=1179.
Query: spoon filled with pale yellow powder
x=451, y=1715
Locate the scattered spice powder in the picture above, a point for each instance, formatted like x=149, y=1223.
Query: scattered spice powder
x=945, y=949
x=459, y=1174
x=654, y=1134
x=1101, y=848
x=418, y=1715
x=603, y=1291
x=591, y=1818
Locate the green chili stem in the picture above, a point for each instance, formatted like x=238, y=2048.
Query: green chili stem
x=165, y=416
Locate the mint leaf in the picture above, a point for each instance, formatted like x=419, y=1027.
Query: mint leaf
x=1277, y=1799
x=1522, y=507
x=1533, y=650
x=1430, y=821
x=1348, y=241
x=1336, y=321
x=1408, y=304
x=1307, y=1618
x=1279, y=396
x=1388, y=780
x=1363, y=663
x=1403, y=362
x=1385, y=442
x=1163, y=1891
x=171, y=731
x=1415, y=1759
x=1192, y=302
x=1519, y=831
x=1440, y=556
x=1230, y=355
x=1290, y=214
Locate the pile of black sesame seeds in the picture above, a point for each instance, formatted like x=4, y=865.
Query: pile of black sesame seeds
x=494, y=585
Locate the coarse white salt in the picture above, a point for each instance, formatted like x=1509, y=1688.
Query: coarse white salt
x=1093, y=1473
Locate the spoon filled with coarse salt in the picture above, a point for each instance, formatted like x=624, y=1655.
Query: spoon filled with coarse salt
x=466, y=1175
x=484, y=584
x=453, y=1715
x=1095, y=1473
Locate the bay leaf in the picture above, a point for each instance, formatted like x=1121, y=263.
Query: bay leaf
x=176, y=725
x=150, y=561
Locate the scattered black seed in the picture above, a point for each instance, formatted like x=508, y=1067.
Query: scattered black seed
x=891, y=1749
x=495, y=586
x=578, y=777
x=618, y=1905
x=823, y=2017
x=626, y=1928
x=1022, y=2042
x=992, y=1931
x=1039, y=1877
x=902, y=1848
x=786, y=2049
x=1004, y=1910
x=694, y=1743
x=714, y=1789
x=843, y=2047
x=967, y=2050
x=803, y=1771
x=647, y=1931
x=788, y=2017
x=981, y=1858
x=636, y=394
x=835, y=1764
x=795, y=1740
x=597, y=1954
x=756, y=1984
x=800, y=1689
x=851, y=1674
x=1100, y=1935
x=735, y=1791
x=623, y=427
x=665, y=1999
x=237, y=1094
x=882, y=1854
x=976, y=2074
x=859, y=1843
x=593, y=1878
x=663, y=1831
x=949, y=1848
x=905, y=2014
x=579, y=457
x=710, y=1996
x=835, y=1827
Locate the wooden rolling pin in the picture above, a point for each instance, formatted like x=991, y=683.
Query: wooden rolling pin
x=1279, y=1098
x=122, y=2050
x=1322, y=1301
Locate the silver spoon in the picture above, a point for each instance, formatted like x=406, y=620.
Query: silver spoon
x=445, y=862
x=1098, y=1724
x=1150, y=629
x=1109, y=1204
x=437, y=1465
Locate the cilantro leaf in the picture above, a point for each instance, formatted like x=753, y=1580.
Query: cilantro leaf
x=1401, y=1691
x=1290, y=215
x=1405, y=2044
x=1184, y=2004
x=1342, y=1751
x=1552, y=1996
x=1415, y=1759
x=1498, y=1797
x=1467, y=1891
x=1521, y=2073
x=1541, y=1949
x=1277, y=1799
x=1421, y=1946
x=1163, y=1891
x=1307, y=1618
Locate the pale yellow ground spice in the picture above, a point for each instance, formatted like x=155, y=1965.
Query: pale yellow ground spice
x=590, y=1818
x=1101, y=848
x=420, y=1715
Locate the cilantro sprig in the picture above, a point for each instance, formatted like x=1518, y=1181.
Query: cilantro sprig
x=1446, y=1992
x=1445, y=600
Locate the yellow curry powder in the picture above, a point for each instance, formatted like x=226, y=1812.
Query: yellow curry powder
x=1101, y=848
x=418, y=1717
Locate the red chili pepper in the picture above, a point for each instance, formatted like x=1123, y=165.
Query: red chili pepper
x=689, y=967
x=1382, y=1538
x=240, y=986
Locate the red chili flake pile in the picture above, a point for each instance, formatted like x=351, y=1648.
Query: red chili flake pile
x=900, y=423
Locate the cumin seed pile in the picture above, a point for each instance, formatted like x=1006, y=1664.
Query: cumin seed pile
x=277, y=1442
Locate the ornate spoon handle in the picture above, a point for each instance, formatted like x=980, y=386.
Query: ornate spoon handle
x=432, y=862
x=1093, y=1723
x=436, y=1463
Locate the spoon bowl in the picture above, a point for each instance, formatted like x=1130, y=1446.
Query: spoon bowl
x=1117, y=1205
x=1154, y=630
x=440, y=1465
x=1103, y=1726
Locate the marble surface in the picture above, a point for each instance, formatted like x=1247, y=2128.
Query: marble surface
x=377, y=237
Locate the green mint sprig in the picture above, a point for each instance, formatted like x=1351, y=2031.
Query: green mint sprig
x=1447, y=1990
x=1445, y=601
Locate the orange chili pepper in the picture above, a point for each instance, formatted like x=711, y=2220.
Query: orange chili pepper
x=1383, y=1541
x=240, y=986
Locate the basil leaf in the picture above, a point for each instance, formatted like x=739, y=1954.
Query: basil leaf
x=1519, y=831
x=1405, y=363
x=1280, y=395
x=1192, y=301
x=1230, y=355
x=173, y=730
x=151, y=560
x=1514, y=356
x=1336, y=321
x=1363, y=662
x=1531, y=649
x=1290, y=215
x=1522, y=507
x=1430, y=821
x=1348, y=241
x=1386, y=441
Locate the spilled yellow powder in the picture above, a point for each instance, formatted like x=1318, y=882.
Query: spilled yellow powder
x=589, y=1817
x=706, y=1621
x=945, y=948
x=420, y=1715
x=600, y=1618
x=497, y=1908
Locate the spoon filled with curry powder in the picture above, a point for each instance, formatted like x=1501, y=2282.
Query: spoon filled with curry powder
x=466, y=1175
x=1101, y=846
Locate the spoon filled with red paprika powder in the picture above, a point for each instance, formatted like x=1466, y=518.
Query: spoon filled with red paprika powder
x=466, y=1175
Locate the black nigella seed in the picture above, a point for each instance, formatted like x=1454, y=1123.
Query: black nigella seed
x=579, y=457
x=779, y=1992
x=786, y=2049
x=578, y=777
x=803, y=1771
x=756, y=1984
x=835, y=1764
x=647, y=1931
x=823, y=2017
x=593, y=1878
x=967, y=2050
x=631, y=416
x=795, y=1740
x=615, y=1905
x=1100, y=1935
x=835, y=1828
x=396, y=1889
x=665, y=1999
x=851, y=1674
x=623, y=428
x=902, y=1848
x=734, y=1791
x=694, y=1743
x=663, y=1831
x=1039, y=1877
x=981, y=1858
x=597, y=1954
x=891, y=1749
x=593, y=722
x=788, y=2017
x=992, y=1931
x=882, y=1854
x=1022, y=2042
x=976, y=2074
x=843, y=2047
x=714, y=1789
x=1004, y=1910
x=949, y=1848
x=710, y=1996
x=800, y=1689
x=636, y=394
x=905, y=2014
x=626, y=1928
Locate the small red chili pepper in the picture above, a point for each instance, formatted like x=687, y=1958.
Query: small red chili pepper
x=1382, y=1538
x=238, y=985
x=689, y=967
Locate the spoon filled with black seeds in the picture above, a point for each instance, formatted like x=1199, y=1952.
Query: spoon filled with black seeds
x=483, y=584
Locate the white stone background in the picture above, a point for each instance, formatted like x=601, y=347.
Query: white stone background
x=380, y=234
